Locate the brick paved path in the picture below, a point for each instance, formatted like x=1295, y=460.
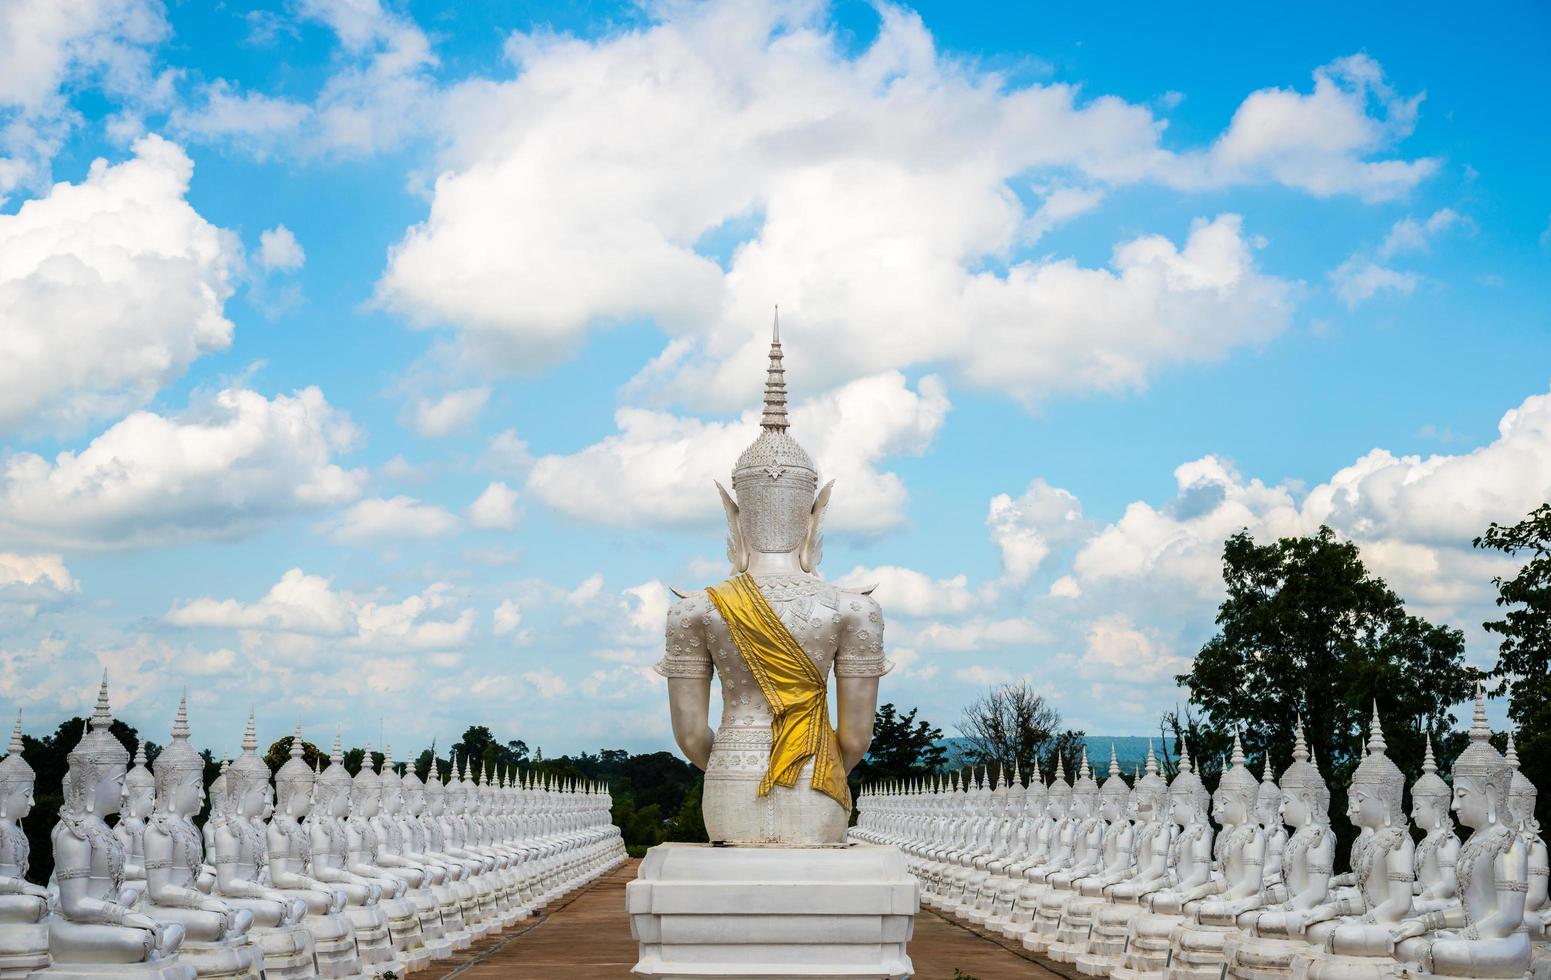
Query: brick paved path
x=588, y=938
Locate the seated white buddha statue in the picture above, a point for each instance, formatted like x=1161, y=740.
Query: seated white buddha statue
x=330, y=856
x=1087, y=830
x=1484, y=935
x=361, y=859
x=289, y=842
x=446, y=876
x=1268, y=814
x=239, y=850
x=960, y=861
x=492, y=890
x=1537, y=904
x=217, y=940
x=395, y=851
x=991, y=841
x=1057, y=857
x=1353, y=928
x=473, y=891
x=96, y=923
x=1438, y=852
x=1149, y=938
x=1004, y=851
x=1153, y=870
x=1213, y=909
x=1116, y=861
x=1276, y=929
x=139, y=800
x=24, y=907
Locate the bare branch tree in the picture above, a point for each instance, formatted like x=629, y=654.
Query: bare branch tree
x=1009, y=723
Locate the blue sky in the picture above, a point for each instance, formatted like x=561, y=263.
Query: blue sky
x=379, y=366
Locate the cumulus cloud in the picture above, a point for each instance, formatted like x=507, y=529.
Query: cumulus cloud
x=436, y=418
x=1410, y=235
x=109, y=289
x=45, y=571
x=658, y=469
x=913, y=593
x=495, y=508
x=379, y=519
x=1356, y=281
x=1024, y=530
x=873, y=193
x=229, y=463
x=279, y=250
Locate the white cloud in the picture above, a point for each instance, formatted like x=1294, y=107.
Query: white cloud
x=507, y=454
x=1116, y=648
x=913, y=593
x=878, y=193
x=377, y=519
x=982, y=675
x=658, y=469
x=279, y=249
x=1024, y=530
x=1357, y=281
x=109, y=289
x=977, y=633
x=1065, y=587
x=454, y=411
x=506, y=618
x=1411, y=235
x=46, y=571
x=495, y=508
x=546, y=682
x=298, y=603
x=226, y=465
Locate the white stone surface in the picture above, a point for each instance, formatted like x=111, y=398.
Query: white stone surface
x=772, y=911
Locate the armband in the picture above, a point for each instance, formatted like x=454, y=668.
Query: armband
x=1513, y=886
x=72, y=873
x=1406, y=876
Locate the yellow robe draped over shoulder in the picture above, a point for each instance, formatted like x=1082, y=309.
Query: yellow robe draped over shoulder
x=799, y=701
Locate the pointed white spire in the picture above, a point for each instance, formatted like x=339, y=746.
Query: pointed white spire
x=774, y=418
x=16, y=735
x=180, y=722
x=1184, y=755
x=337, y=753
x=296, y=742
x=102, y=714
x=1114, y=761
x=1152, y=760
x=1376, y=744
x=250, y=736
x=1430, y=765
x=1480, y=731
x=1512, y=755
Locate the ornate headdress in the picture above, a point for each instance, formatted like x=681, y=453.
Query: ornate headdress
x=388, y=776
x=139, y=775
x=1377, y=770
x=294, y=776
x=1085, y=785
x=433, y=781
x=1059, y=791
x=1303, y=777
x=1481, y=761
x=1151, y=788
x=1237, y=780
x=774, y=480
x=332, y=781
x=366, y=781
x=1430, y=785
x=1187, y=785
x=1115, y=788
x=1015, y=792
x=13, y=768
x=249, y=768
x=220, y=794
x=97, y=751
x=1270, y=796
x=178, y=759
x=1034, y=796
x=1521, y=792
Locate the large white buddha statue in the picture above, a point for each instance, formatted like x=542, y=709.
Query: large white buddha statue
x=24, y=906
x=1438, y=851
x=97, y=931
x=240, y=853
x=217, y=941
x=1484, y=935
x=775, y=771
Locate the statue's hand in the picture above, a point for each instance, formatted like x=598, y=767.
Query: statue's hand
x=1408, y=929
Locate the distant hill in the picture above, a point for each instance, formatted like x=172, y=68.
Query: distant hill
x=1130, y=751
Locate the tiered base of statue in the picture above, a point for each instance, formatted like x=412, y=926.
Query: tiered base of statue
x=703, y=912
x=223, y=961
x=23, y=948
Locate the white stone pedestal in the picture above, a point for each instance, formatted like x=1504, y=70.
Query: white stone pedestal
x=842, y=912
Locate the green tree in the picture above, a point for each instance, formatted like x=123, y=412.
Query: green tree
x=902, y=748
x=1523, y=670
x=1010, y=723
x=688, y=824
x=1067, y=746
x=1305, y=628
x=280, y=753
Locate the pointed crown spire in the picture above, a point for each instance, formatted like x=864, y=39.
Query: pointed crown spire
x=250, y=736
x=774, y=417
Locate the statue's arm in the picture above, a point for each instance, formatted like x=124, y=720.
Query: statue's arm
x=689, y=702
x=859, y=663
x=856, y=700
x=226, y=856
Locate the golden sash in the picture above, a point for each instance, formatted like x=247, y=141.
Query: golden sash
x=800, y=728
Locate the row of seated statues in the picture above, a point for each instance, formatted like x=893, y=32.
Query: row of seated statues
x=318, y=874
x=1131, y=882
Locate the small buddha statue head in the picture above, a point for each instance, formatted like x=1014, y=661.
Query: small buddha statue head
x=1237, y=790
x=1035, y=796
x=1085, y=791
x=139, y=786
x=1058, y=796
x=16, y=779
x=1430, y=795
x=1114, y=794
x=774, y=481
x=435, y=791
x=1374, y=799
x=248, y=781
x=220, y=794
x=1187, y=794
x=1015, y=793
x=392, y=792
x=366, y=787
x=179, y=771
x=1521, y=793
x=1151, y=793
x=1268, y=803
x=294, y=781
x=1305, y=797
x=1481, y=775
x=95, y=781
x=411, y=792
x=331, y=792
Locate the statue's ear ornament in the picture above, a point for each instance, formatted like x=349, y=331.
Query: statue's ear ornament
x=813, y=544
x=737, y=548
